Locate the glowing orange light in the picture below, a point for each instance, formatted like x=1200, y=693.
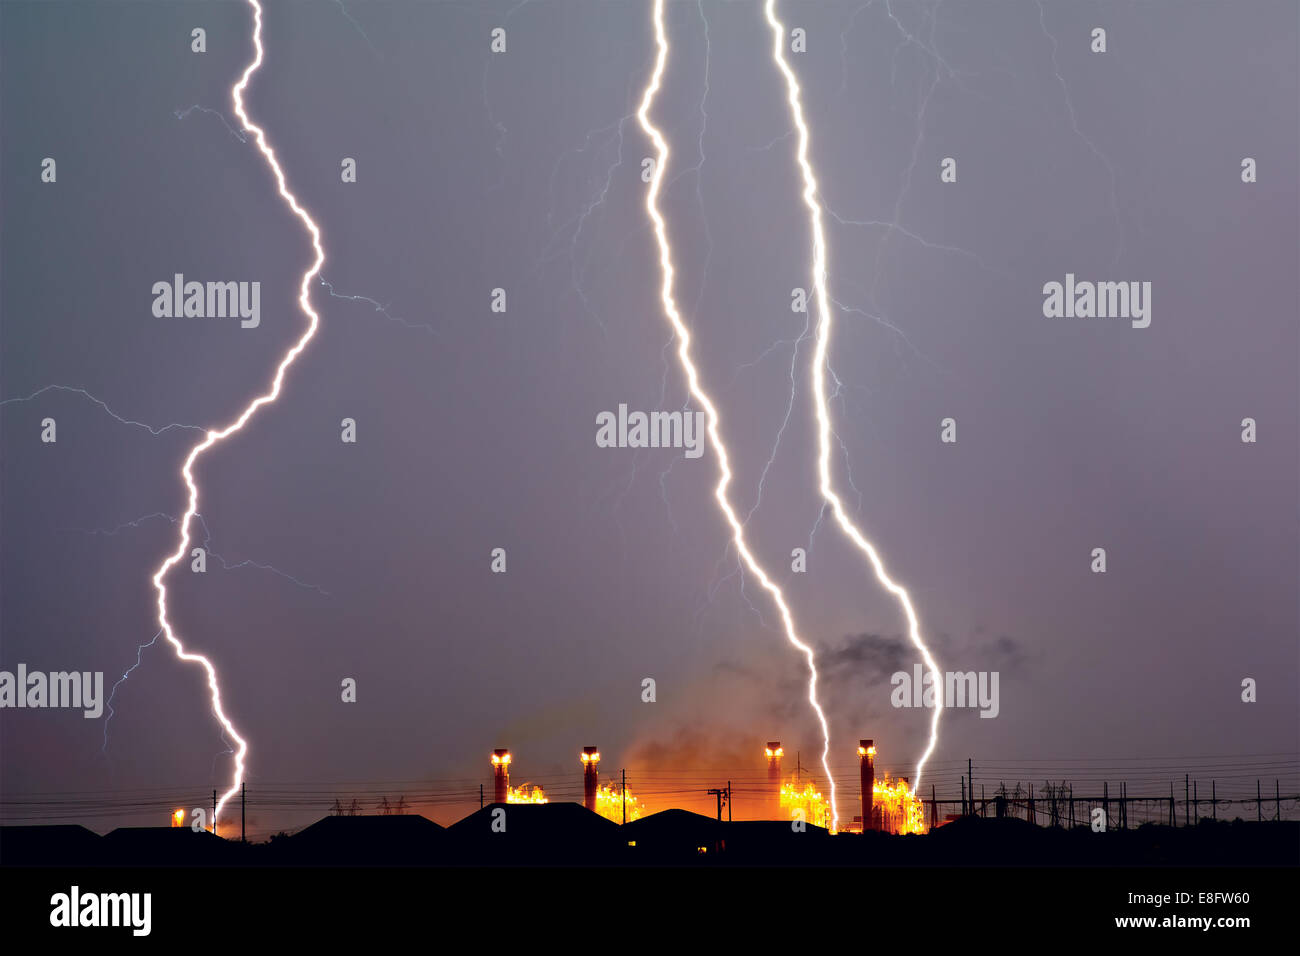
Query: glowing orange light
x=807, y=798
x=525, y=794
x=178, y=818
x=609, y=804
x=900, y=811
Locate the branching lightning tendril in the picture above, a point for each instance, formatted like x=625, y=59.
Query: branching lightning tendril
x=154, y=430
x=216, y=436
x=820, y=362
x=697, y=390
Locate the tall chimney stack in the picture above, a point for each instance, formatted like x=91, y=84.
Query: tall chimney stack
x=867, y=765
x=500, y=775
x=590, y=777
x=774, y=754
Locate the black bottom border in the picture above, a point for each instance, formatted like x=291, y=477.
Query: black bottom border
x=982, y=905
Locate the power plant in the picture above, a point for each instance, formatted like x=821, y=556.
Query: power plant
x=692, y=821
x=867, y=770
x=500, y=776
x=887, y=806
x=774, y=754
x=590, y=777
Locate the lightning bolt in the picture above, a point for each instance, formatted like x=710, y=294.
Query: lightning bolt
x=820, y=364
x=214, y=437
x=697, y=392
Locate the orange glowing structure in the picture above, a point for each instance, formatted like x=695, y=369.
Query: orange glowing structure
x=500, y=775
x=774, y=753
x=609, y=804
x=805, y=797
x=897, y=809
x=178, y=818
x=890, y=807
x=526, y=794
x=590, y=776
x=867, y=770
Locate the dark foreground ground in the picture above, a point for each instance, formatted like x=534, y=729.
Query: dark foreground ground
x=562, y=834
x=674, y=880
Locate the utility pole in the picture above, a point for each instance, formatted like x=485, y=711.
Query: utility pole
x=728, y=801
x=214, y=813
x=719, y=793
x=970, y=780
x=1187, y=805
x=243, y=797
x=625, y=795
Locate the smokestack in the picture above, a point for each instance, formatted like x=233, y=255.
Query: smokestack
x=867, y=766
x=500, y=775
x=590, y=777
x=774, y=754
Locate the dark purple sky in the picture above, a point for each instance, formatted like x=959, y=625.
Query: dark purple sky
x=477, y=430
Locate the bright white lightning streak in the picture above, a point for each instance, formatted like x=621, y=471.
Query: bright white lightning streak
x=698, y=393
x=214, y=436
x=819, y=377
